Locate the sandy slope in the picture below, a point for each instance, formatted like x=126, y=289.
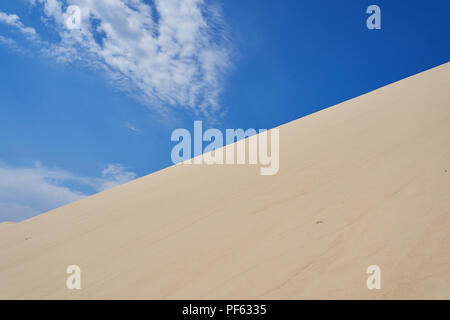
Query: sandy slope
x=375, y=170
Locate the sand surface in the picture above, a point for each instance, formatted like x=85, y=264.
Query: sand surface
x=366, y=182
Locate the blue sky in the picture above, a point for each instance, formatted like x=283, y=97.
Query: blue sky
x=82, y=111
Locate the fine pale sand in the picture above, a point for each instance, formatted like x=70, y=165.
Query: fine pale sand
x=366, y=182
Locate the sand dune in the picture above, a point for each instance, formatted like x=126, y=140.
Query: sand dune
x=366, y=182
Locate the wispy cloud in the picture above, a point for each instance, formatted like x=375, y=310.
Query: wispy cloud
x=132, y=127
x=10, y=43
x=169, y=54
x=14, y=21
x=113, y=175
x=27, y=191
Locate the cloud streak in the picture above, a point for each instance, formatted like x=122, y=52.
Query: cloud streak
x=14, y=21
x=25, y=192
x=132, y=127
x=170, y=54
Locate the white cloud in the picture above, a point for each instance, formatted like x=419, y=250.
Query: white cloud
x=132, y=127
x=168, y=54
x=25, y=192
x=14, y=21
x=10, y=43
x=114, y=175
